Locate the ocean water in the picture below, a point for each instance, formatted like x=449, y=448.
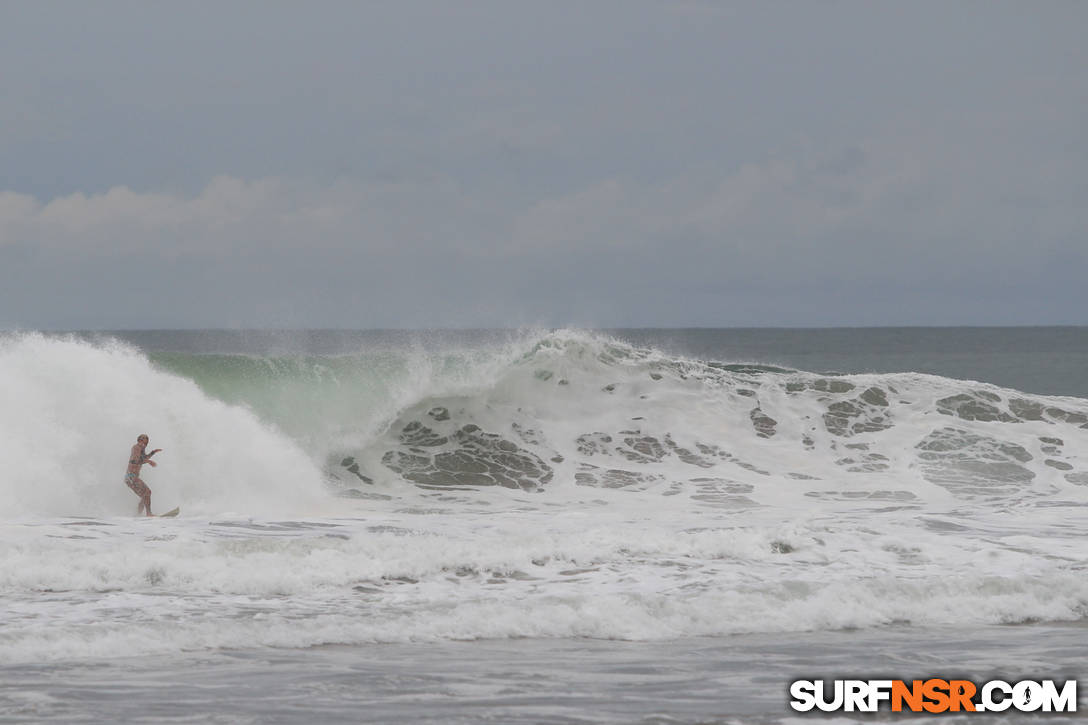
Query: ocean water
x=534, y=526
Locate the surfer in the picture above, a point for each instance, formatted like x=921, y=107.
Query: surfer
x=136, y=459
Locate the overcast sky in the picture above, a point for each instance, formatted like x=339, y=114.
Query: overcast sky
x=600, y=164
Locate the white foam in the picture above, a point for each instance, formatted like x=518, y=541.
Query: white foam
x=152, y=587
x=569, y=385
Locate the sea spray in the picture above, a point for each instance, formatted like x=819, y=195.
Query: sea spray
x=72, y=410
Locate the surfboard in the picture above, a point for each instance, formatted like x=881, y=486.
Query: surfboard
x=170, y=514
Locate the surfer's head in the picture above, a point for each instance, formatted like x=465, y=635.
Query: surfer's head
x=142, y=438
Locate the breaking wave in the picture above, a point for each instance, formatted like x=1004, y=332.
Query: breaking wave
x=561, y=411
x=554, y=484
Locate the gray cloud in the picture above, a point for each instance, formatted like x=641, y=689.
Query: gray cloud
x=613, y=164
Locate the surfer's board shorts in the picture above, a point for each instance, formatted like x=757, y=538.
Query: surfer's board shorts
x=138, y=487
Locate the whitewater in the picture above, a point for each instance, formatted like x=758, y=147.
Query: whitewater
x=560, y=489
